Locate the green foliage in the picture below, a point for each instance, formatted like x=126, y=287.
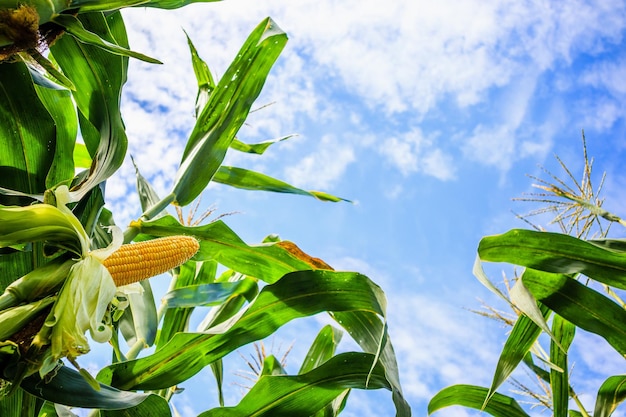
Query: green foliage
x=560, y=282
x=55, y=232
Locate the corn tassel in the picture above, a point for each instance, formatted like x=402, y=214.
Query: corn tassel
x=137, y=261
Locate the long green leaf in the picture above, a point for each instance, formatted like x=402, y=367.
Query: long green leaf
x=204, y=78
x=555, y=252
x=98, y=76
x=68, y=387
x=322, y=348
x=61, y=108
x=580, y=305
x=206, y=294
x=299, y=294
x=226, y=110
x=256, y=148
x=522, y=337
x=27, y=129
x=303, y=395
x=611, y=393
x=74, y=27
x=268, y=262
x=473, y=397
x=370, y=333
x=179, y=302
x=251, y=180
x=559, y=380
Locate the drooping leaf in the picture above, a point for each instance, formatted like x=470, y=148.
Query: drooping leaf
x=298, y=294
x=370, y=332
x=581, y=305
x=68, y=387
x=251, y=180
x=303, y=395
x=611, y=393
x=74, y=27
x=474, y=397
x=98, y=76
x=226, y=110
x=555, y=252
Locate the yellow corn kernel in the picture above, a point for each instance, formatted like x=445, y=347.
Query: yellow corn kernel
x=137, y=261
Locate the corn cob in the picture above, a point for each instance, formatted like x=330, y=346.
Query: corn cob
x=137, y=261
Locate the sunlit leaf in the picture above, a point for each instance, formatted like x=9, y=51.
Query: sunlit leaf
x=298, y=294
x=268, y=262
x=305, y=394
x=521, y=338
x=581, y=305
x=322, y=348
x=251, y=180
x=559, y=380
x=474, y=397
x=226, y=110
x=256, y=148
x=74, y=27
x=555, y=252
x=611, y=393
x=98, y=76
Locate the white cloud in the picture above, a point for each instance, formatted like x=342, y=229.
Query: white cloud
x=413, y=152
x=322, y=168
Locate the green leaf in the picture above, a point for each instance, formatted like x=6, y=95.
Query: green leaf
x=559, y=380
x=226, y=110
x=68, y=387
x=206, y=294
x=256, y=148
x=522, y=337
x=74, y=27
x=611, y=393
x=27, y=130
x=81, y=156
x=177, y=315
x=173, y=4
x=298, y=294
x=555, y=252
x=580, y=305
x=251, y=180
x=322, y=348
x=98, y=76
x=153, y=406
x=303, y=395
x=206, y=84
x=268, y=262
x=61, y=107
x=139, y=322
x=369, y=332
x=473, y=397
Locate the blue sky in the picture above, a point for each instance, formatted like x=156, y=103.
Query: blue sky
x=428, y=116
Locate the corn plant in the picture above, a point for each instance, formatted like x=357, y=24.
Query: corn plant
x=569, y=281
x=67, y=269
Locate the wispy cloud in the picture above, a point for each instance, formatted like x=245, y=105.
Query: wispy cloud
x=322, y=168
x=414, y=152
